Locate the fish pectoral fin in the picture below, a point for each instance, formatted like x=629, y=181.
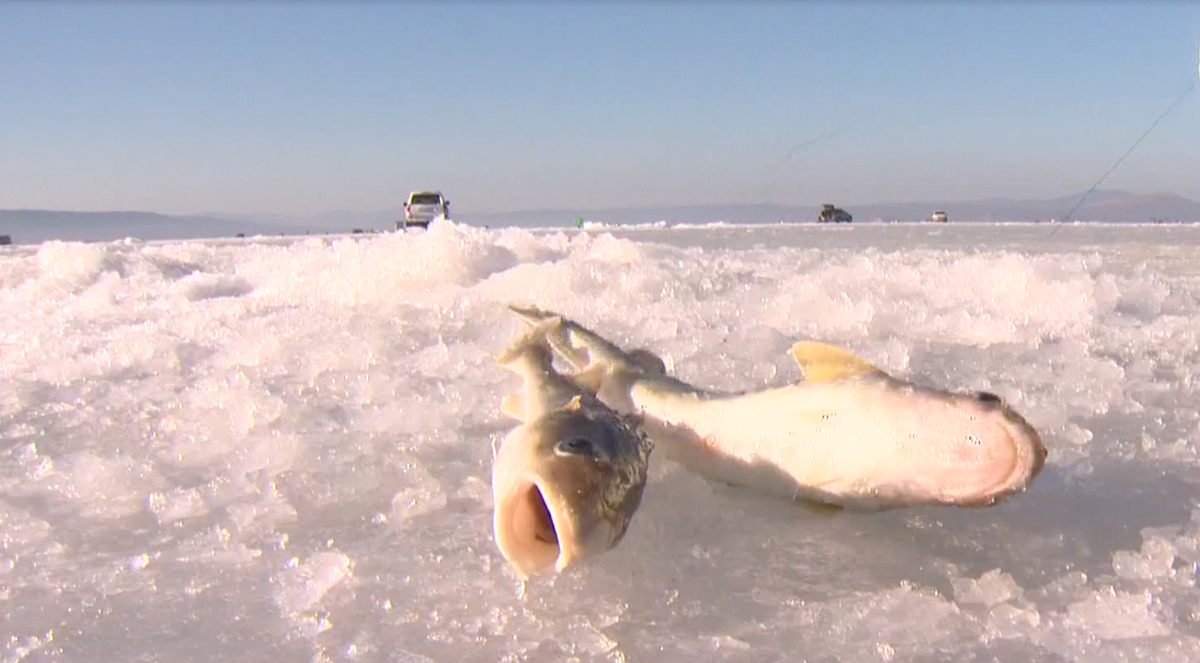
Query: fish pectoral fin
x=823, y=509
x=813, y=505
x=822, y=362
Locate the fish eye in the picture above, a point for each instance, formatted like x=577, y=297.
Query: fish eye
x=577, y=446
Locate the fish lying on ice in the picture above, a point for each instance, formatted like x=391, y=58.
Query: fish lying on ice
x=847, y=435
x=568, y=479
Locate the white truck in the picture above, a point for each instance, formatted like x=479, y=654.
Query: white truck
x=422, y=207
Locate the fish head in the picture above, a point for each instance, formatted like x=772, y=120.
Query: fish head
x=992, y=421
x=1032, y=451
x=566, y=485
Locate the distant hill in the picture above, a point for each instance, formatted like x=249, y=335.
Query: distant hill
x=329, y=221
x=1103, y=206
x=35, y=226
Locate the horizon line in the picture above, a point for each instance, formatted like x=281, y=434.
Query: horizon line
x=217, y=214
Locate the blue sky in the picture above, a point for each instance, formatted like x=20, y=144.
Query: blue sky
x=311, y=106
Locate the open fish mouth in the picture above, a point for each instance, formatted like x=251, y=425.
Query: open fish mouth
x=1031, y=452
x=530, y=532
x=533, y=517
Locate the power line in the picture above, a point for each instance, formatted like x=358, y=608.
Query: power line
x=1188, y=90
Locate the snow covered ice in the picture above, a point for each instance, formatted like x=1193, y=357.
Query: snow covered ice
x=278, y=449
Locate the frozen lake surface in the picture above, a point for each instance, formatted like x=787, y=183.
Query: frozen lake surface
x=278, y=449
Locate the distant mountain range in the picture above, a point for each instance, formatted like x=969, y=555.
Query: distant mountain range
x=1102, y=206
x=27, y=226
x=35, y=226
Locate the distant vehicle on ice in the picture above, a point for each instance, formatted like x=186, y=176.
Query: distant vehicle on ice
x=832, y=214
x=939, y=217
x=422, y=207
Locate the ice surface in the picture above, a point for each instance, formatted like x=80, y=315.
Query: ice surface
x=278, y=449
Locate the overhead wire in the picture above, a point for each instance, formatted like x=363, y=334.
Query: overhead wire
x=1191, y=86
x=839, y=79
x=800, y=147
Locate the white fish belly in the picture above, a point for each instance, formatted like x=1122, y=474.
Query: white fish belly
x=852, y=440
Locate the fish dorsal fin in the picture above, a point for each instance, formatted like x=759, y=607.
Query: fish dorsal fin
x=822, y=362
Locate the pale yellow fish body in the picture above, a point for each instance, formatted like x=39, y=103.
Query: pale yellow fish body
x=848, y=434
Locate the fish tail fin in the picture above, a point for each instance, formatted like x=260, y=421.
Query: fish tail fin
x=558, y=334
x=532, y=314
x=648, y=361
x=583, y=348
x=589, y=380
x=514, y=406
x=530, y=347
